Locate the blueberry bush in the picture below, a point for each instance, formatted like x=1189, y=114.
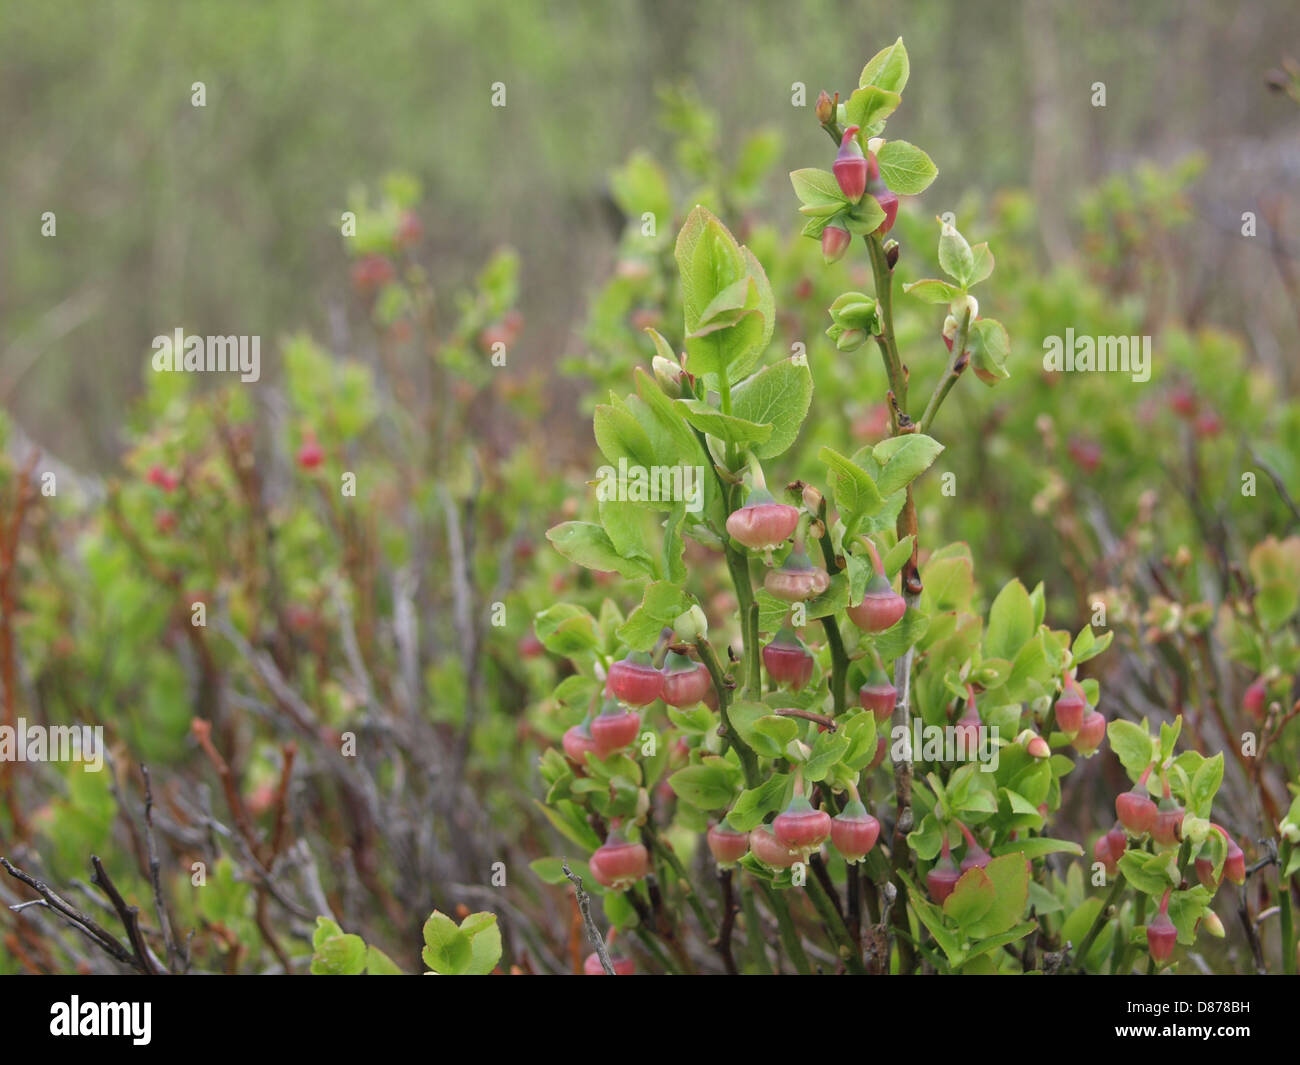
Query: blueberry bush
x=852, y=638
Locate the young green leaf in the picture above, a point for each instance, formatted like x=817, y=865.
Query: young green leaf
x=904, y=168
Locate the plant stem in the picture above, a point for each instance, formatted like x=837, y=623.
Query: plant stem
x=789, y=935
x=755, y=942
x=692, y=899
x=839, y=660
x=883, y=278
x=1099, y=922
x=897, y=373
x=960, y=360
x=1139, y=918
x=835, y=926
x=1284, y=909
x=748, y=760
x=754, y=686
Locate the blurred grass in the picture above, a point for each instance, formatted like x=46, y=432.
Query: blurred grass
x=224, y=219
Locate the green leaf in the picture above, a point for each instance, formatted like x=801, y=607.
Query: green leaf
x=485, y=943
x=589, y=546
x=990, y=347
x=566, y=629
x=932, y=917
x=949, y=582
x=778, y=395
x=894, y=559
x=818, y=188
x=814, y=226
x=1010, y=877
x=827, y=749
x=325, y=929
x=888, y=68
x=341, y=955
x=971, y=899
x=1205, y=785
x=904, y=168
x=1002, y=939
x=1147, y=875
x=772, y=734
x=955, y=256
x=903, y=459
x=1036, y=846
x=1011, y=622
x=710, y=261
x=982, y=265
x=709, y=787
x=661, y=605
x=726, y=308
x=725, y=427
x=1132, y=746
x=932, y=290
x=895, y=641
x=755, y=804
x=380, y=964
x=567, y=819
x=854, y=491
x=860, y=729
x=447, y=949
x=869, y=106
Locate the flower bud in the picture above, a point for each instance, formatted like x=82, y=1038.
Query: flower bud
x=685, y=680
x=691, y=625
x=619, y=864
x=854, y=832
x=835, y=242
x=726, y=844
x=878, y=695
x=769, y=851
x=1162, y=936
x=1091, y=732
x=634, y=680
x=825, y=108
x=888, y=203
x=850, y=167
x=881, y=607
x=848, y=339
x=962, y=304
x=669, y=376
x=855, y=310
x=762, y=523
x=1034, y=744
x=1214, y=925
x=891, y=253
x=614, y=728
x=950, y=329
x=798, y=580
x=787, y=660
x=801, y=827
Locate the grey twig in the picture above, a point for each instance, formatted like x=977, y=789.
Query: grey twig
x=584, y=906
x=174, y=956
x=85, y=924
